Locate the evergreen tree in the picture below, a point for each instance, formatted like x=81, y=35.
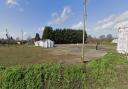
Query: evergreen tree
x=64, y=36
x=48, y=33
x=37, y=37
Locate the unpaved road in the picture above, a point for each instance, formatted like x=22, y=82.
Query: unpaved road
x=67, y=53
x=71, y=54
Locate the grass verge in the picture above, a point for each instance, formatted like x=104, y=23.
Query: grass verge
x=108, y=72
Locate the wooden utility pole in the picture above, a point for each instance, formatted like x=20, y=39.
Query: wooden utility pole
x=22, y=36
x=7, y=33
x=84, y=29
x=7, y=36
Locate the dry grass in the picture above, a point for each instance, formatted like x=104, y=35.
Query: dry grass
x=69, y=54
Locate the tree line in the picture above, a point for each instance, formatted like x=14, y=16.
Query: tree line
x=103, y=39
x=8, y=41
x=63, y=36
x=67, y=36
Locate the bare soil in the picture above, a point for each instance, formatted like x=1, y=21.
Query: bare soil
x=66, y=53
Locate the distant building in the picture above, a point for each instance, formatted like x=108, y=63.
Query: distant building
x=122, y=44
x=19, y=43
x=115, y=41
x=44, y=43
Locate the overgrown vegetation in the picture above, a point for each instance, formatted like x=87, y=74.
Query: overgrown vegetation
x=108, y=72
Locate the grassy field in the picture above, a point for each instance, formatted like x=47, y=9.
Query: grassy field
x=68, y=54
x=108, y=72
x=106, y=69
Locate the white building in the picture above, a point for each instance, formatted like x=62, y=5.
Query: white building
x=115, y=41
x=44, y=43
x=122, y=45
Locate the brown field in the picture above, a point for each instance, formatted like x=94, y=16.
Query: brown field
x=68, y=54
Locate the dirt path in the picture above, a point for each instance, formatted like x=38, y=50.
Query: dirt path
x=71, y=54
x=68, y=54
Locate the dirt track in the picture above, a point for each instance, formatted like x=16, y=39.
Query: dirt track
x=71, y=54
x=68, y=54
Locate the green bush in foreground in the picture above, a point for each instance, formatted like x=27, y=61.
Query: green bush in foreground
x=108, y=72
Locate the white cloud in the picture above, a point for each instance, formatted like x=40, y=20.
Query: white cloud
x=12, y=3
x=112, y=22
x=2, y=34
x=54, y=15
x=41, y=29
x=106, y=25
x=24, y=33
x=122, y=17
x=15, y=4
x=58, y=19
x=106, y=20
x=14, y=33
x=78, y=25
x=121, y=24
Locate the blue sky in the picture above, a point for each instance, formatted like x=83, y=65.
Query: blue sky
x=31, y=16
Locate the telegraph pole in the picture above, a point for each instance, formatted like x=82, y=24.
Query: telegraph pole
x=7, y=33
x=22, y=36
x=84, y=29
x=7, y=36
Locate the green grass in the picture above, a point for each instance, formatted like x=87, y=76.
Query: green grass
x=108, y=72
